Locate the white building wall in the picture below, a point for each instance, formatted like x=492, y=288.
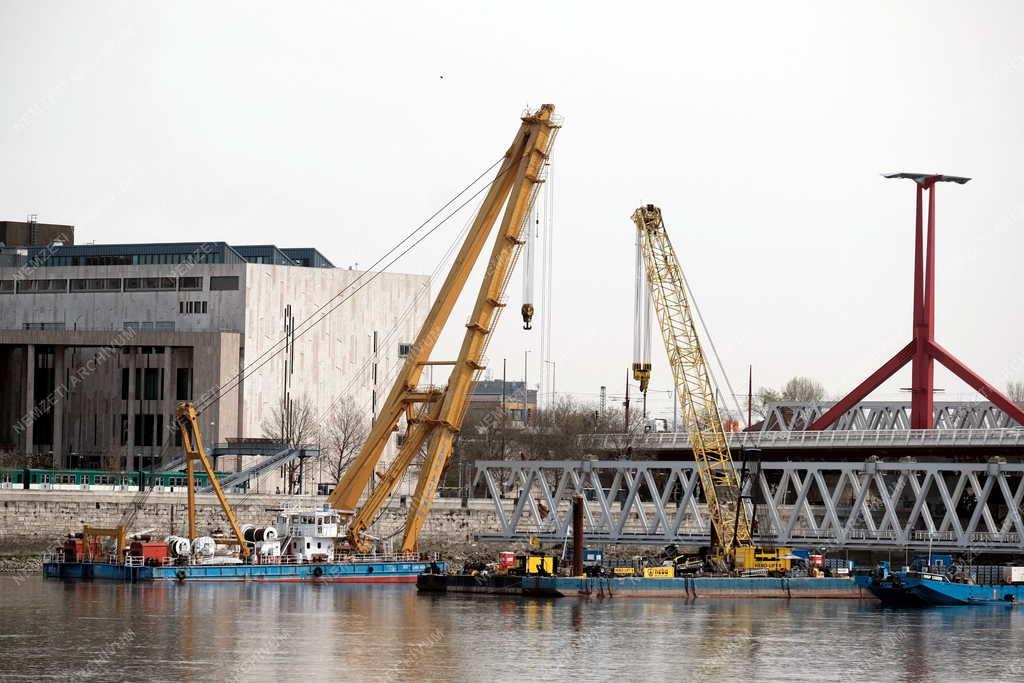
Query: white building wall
x=332, y=359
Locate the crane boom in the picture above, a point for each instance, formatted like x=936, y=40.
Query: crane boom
x=701, y=417
x=434, y=414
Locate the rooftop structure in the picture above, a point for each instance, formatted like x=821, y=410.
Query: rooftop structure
x=32, y=232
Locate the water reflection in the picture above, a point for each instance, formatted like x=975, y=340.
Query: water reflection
x=389, y=633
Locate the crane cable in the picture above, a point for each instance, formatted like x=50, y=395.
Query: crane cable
x=308, y=323
x=219, y=392
x=357, y=374
x=418, y=297
x=711, y=343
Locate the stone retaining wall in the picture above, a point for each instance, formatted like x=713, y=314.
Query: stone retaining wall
x=33, y=522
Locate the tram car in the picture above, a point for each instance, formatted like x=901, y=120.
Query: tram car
x=94, y=480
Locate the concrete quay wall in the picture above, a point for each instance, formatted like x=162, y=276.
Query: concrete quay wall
x=33, y=522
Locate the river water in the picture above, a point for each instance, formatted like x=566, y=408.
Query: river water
x=304, y=632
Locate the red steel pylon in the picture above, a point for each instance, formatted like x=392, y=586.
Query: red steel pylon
x=922, y=350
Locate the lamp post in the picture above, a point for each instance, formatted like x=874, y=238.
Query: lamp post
x=554, y=393
x=526, y=390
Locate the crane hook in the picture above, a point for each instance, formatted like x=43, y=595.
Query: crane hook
x=527, y=311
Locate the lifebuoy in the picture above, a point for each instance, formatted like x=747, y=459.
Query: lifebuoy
x=318, y=571
x=180, y=574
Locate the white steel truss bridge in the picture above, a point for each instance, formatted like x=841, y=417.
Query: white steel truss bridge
x=869, y=505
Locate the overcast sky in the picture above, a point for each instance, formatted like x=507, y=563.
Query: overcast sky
x=760, y=129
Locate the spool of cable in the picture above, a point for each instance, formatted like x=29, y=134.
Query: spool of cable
x=270, y=534
x=249, y=533
x=179, y=546
x=205, y=546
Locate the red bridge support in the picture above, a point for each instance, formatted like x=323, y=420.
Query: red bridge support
x=923, y=350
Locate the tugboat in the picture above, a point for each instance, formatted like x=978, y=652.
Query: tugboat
x=925, y=585
x=889, y=587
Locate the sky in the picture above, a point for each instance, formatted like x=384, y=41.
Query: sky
x=760, y=129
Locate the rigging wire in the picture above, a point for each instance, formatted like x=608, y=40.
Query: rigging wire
x=417, y=299
x=445, y=258
x=308, y=323
x=714, y=351
x=280, y=345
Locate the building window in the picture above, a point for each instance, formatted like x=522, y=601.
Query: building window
x=190, y=283
x=125, y=379
x=153, y=385
x=107, y=284
x=220, y=283
x=190, y=307
x=49, y=286
x=150, y=283
x=183, y=384
x=6, y=286
x=404, y=349
x=124, y=429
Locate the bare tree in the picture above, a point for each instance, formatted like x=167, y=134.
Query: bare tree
x=293, y=424
x=764, y=397
x=803, y=389
x=1015, y=391
x=344, y=433
x=796, y=389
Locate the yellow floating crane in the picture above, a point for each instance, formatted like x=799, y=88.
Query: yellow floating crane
x=434, y=414
x=730, y=529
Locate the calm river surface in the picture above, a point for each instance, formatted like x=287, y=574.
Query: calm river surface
x=226, y=632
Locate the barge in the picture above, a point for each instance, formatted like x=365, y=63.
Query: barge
x=368, y=569
x=683, y=587
x=305, y=544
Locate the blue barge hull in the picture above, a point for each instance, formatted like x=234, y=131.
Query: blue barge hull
x=947, y=593
x=351, y=572
x=626, y=587
x=692, y=587
x=890, y=590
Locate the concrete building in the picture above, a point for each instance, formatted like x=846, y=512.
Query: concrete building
x=492, y=396
x=98, y=343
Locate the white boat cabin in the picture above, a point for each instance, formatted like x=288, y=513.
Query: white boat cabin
x=308, y=534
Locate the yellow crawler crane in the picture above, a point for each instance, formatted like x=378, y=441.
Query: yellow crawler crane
x=434, y=414
x=730, y=529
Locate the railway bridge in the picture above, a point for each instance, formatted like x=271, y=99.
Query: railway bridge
x=867, y=483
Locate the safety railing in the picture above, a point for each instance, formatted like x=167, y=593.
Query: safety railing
x=815, y=439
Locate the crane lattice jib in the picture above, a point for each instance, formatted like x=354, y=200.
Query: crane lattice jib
x=696, y=389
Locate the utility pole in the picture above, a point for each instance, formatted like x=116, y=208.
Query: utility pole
x=675, y=407
x=750, y=397
x=625, y=426
x=504, y=412
x=526, y=391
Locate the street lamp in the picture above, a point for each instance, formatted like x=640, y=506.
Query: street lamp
x=526, y=390
x=554, y=394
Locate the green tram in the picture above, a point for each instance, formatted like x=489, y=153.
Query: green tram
x=94, y=480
